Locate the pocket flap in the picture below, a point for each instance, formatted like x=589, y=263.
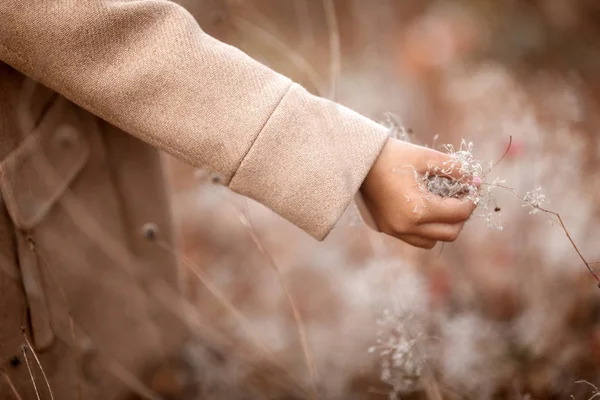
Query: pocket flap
x=35, y=174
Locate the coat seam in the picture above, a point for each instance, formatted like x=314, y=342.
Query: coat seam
x=262, y=128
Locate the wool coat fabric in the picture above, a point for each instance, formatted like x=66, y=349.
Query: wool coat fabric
x=89, y=90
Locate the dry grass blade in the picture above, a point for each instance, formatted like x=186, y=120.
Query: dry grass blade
x=37, y=360
x=334, y=48
x=431, y=388
x=595, y=391
x=24, y=351
x=587, y=264
x=244, y=218
x=158, y=289
x=230, y=308
x=75, y=347
x=297, y=60
x=11, y=385
x=61, y=290
x=510, y=139
x=562, y=224
x=305, y=26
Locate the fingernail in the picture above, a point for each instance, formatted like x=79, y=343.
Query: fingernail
x=476, y=181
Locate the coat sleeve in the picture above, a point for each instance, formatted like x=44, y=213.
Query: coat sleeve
x=147, y=68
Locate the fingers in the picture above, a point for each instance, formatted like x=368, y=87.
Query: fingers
x=440, y=232
x=428, y=235
x=444, y=210
x=438, y=220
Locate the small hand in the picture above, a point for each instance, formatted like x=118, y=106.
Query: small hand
x=401, y=208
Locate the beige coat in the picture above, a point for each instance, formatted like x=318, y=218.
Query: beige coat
x=85, y=232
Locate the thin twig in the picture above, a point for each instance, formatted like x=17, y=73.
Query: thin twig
x=75, y=347
x=564, y=228
x=501, y=158
x=24, y=351
x=586, y=382
x=334, y=48
x=241, y=319
x=432, y=387
x=305, y=26
x=11, y=385
x=37, y=360
x=560, y=220
x=295, y=57
x=297, y=317
x=441, y=250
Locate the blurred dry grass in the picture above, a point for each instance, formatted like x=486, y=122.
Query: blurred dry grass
x=511, y=314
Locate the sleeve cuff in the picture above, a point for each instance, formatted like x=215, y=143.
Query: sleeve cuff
x=309, y=160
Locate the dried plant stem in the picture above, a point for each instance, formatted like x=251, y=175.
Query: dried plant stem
x=432, y=387
x=305, y=26
x=501, y=158
x=131, y=382
x=334, y=48
x=595, y=392
x=562, y=224
x=37, y=360
x=24, y=351
x=230, y=308
x=297, y=317
x=216, y=293
x=158, y=288
x=11, y=385
x=297, y=60
x=61, y=290
x=588, y=265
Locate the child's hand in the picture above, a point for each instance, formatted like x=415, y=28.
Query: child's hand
x=400, y=208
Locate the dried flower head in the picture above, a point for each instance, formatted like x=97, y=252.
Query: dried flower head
x=440, y=181
x=401, y=359
x=534, y=199
x=396, y=129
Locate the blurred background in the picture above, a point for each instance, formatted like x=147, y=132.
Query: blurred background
x=499, y=314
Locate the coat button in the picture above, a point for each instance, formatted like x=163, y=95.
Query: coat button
x=66, y=136
x=150, y=231
x=15, y=361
